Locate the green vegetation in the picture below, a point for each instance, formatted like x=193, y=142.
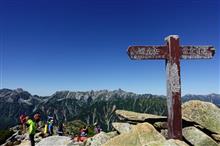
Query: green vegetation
x=73, y=128
x=4, y=135
x=102, y=111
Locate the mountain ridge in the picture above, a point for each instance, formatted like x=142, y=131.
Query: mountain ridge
x=101, y=90
x=88, y=106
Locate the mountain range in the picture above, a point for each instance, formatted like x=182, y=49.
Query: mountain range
x=90, y=107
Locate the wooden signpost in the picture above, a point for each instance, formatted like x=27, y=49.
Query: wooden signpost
x=172, y=52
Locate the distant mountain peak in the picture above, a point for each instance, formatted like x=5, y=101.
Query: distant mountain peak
x=19, y=90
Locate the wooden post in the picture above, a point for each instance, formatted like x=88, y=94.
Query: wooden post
x=172, y=52
x=173, y=88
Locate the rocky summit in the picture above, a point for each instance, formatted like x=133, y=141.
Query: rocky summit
x=138, y=129
x=143, y=131
x=134, y=119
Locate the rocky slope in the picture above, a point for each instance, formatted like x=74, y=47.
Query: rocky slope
x=201, y=124
x=13, y=103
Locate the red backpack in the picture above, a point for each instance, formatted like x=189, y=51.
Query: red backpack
x=22, y=119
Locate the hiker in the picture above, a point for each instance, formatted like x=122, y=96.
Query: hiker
x=97, y=129
x=46, y=131
x=32, y=127
x=50, y=127
x=82, y=136
x=22, y=119
x=46, y=128
x=60, y=129
x=84, y=131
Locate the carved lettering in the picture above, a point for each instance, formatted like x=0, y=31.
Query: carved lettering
x=196, y=52
x=147, y=52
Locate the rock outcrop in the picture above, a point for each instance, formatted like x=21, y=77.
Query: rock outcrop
x=141, y=134
x=197, y=137
x=55, y=141
x=138, y=117
x=170, y=142
x=140, y=129
x=98, y=139
x=205, y=114
x=201, y=127
x=122, y=127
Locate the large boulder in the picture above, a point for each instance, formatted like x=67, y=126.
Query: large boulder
x=97, y=140
x=55, y=141
x=204, y=113
x=112, y=134
x=141, y=134
x=170, y=142
x=122, y=127
x=134, y=116
x=197, y=137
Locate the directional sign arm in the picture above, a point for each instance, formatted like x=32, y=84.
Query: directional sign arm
x=147, y=52
x=197, y=52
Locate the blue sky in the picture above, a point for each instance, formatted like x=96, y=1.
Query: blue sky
x=50, y=45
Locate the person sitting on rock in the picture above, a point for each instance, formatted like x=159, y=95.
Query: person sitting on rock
x=60, y=129
x=97, y=129
x=82, y=136
x=84, y=131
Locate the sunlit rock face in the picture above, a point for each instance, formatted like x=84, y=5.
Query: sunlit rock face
x=203, y=113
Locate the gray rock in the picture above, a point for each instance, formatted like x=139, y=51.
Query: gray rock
x=204, y=113
x=170, y=142
x=141, y=135
x=134, y=116
x=20, y=137
x=197, y=137
x=112, y=134
x=38, y=139
x=122, y=127
x=26, y=136
x=164, y=132
x=160, y=125
x=55, y=141
x=15, y=128
x=75, y=144
x=97, y=140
